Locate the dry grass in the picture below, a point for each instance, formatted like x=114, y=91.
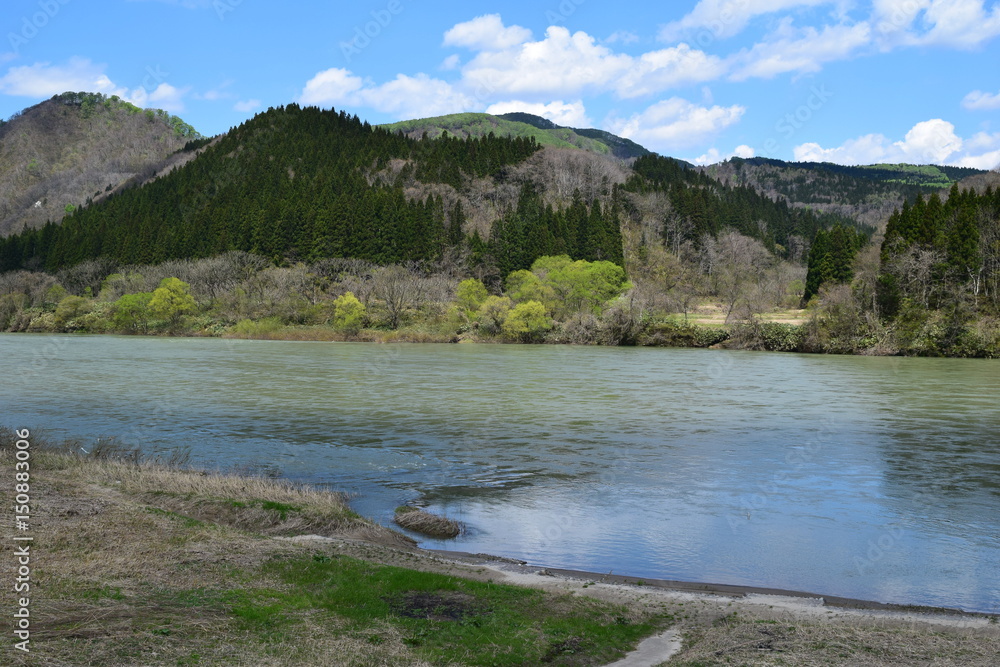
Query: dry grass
x=426, y=523
x=749, y=639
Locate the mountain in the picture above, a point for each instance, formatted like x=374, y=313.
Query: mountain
x=464, y=125
x=301, y=184
x=621, y=148
x=75, y=147
x=518, y=124
x=867, y=194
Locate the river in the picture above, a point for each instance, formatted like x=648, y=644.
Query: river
x=872, y=478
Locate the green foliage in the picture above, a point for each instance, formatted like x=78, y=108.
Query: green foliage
x=69, y=309
x=171, y=300
x=256, y=329
x=471, y=294
x=493, y=313
x=526, y=321
x=831, y=258
x=131, y=312
x=349, y=315
x=581, y=286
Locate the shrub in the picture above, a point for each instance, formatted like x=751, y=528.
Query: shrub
x=259, y=329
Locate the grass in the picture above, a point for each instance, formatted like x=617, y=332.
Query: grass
x=426, y=523
x=141, y=563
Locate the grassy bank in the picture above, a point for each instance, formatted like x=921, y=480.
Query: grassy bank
x=144, y=563
x=140, y=563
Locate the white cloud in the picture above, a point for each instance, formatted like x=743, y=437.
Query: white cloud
x=164, y=96
x=977, y=100
x=404, y=96
x=569, y=64
x=451, y=62
x=561, y=113
x=713, y=156
x=726, y=18
x=45, y=80
x=246, y=106
x=675, y=124
x=804, y=50
x=963, y=24
x=486, y=33
x=42, y=80
x=623, y=36
x=929, y=142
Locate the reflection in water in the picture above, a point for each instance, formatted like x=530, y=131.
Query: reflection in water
x=860, y=477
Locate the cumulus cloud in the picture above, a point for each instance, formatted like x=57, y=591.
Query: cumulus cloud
x=726, y=18
x=565, y=63
x=561, y=113
x=962, y=24
x=977, y=100
x=46, y=80
x=675, y=124
x=714, y=156
x=405, y=96
x=486, y=33
x=804, y=50
x=929, y=142
x=164, y=96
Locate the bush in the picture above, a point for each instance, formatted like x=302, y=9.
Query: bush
x=768, y=336
x=68, y=310
x=258, y=329
x=526, y=321
x=349, y=313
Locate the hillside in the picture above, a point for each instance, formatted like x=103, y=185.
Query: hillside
x=867, y=194
x=304, y=184
x=464, y=125
x=75, y=147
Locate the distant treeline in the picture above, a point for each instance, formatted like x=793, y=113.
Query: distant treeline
x=707, y=206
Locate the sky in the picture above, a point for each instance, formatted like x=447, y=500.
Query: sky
x=842, y=81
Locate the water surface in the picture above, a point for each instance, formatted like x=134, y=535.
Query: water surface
x=874, y=478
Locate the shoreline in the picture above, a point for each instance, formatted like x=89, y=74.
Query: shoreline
x=524, y=569
x=411, y=338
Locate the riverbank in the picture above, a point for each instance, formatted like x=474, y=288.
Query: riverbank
x=148, y=563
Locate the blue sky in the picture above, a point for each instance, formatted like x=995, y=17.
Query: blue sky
x=842, y=81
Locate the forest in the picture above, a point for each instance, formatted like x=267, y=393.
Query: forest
x=304, y=223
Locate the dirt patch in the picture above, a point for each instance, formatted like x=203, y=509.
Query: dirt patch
x=436, y=606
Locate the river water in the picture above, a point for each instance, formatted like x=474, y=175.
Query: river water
x=873, y=478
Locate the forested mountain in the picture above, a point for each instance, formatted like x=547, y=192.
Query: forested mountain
x=867, y=194
x=76, y=147
x=296, y=183
x=462, y=125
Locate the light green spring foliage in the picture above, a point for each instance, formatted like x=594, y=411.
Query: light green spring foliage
x=131, y=312
x=471, y=294
x=566, y=287
x=70, y=308
x=171, y=299
x=493, y=313
x=349, y=313
x=527, y=320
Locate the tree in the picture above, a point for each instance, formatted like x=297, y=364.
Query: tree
x=131, y=312
x=70, y=308
x=349, y=314
x=398, y=289
x=471, y=294
x=526, y=321
x=171, y=300
x=493, y=313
